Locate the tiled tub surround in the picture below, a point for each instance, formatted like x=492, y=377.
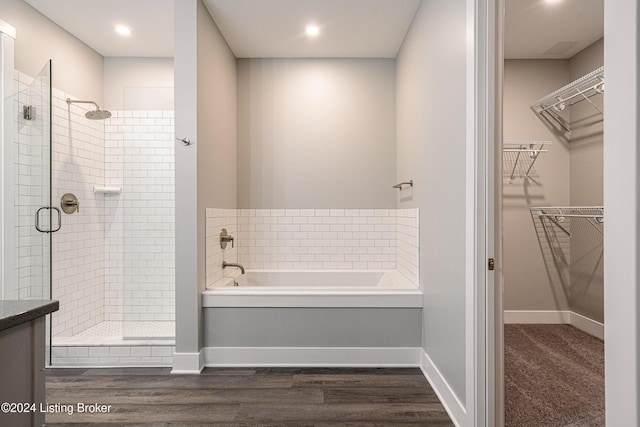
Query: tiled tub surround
x=314, y=239
x=321, y=288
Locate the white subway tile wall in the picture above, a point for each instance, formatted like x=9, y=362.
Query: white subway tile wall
x=78, y=248
x=216, y=220
x=408, y=241
x=123, y=355
x=317, y=239
x=141, y=248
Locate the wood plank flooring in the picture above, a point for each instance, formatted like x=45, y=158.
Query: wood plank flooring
x=246, y=397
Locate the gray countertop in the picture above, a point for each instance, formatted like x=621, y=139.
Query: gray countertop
x=16, y=312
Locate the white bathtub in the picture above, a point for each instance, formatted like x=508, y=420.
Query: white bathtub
x=319, y=288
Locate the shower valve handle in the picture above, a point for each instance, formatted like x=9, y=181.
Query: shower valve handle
x=69, y=203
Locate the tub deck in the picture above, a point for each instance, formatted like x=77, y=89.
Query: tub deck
x=277, y=288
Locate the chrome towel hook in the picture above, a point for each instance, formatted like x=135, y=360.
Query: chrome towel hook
x=185, y=140
x=399, y=186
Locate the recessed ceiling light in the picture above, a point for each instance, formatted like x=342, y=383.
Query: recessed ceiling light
x=122, y=30
x=312, y=30
x=553, y=1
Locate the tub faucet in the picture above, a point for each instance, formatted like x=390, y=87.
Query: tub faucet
x=226, y=264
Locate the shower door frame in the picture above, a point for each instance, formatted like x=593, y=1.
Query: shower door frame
x=8, y=136
x=7, y=39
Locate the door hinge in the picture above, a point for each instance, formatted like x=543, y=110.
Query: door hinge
x=491, y=264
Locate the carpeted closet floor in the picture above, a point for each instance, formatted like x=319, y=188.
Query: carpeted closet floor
x=554, y=376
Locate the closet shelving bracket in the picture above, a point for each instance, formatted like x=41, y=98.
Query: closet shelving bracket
x=520, y=157
x=558, y=215
x=551, y=107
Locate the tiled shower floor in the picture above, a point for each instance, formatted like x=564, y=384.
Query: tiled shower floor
x=105, y=344
x=136, y=330
x=121, y=332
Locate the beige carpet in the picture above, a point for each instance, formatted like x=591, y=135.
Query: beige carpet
x=554, y=376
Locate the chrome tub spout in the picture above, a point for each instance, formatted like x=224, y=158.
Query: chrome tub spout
x=226, y=264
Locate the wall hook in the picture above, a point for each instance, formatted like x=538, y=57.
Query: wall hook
x=185, y=140
x=399, y=186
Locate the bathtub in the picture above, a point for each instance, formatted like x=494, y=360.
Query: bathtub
x=313, y=318
x=319, y=288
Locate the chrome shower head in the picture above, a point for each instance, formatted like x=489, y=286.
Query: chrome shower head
x=96, y=114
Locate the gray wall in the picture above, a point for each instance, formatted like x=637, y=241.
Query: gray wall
x=570, y=174
x=531, y=280
x=216, y=116
x=316, y=133
x=186, y=125
x=431, y=139
x=128, y=74
x=77, y=68
x=312, y=327
x=586, y=189
x=205, y=99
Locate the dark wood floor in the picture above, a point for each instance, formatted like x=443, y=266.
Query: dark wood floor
x=247, y=397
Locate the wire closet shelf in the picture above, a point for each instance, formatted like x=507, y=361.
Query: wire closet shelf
x=553, y=107
x=519, y=157
x=558, y=215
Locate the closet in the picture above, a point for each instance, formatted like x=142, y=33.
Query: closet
x=553, y=213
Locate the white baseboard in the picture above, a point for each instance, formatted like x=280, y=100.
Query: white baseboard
x=447, y=397
x=312, y=356
x=564, y=317
x=537, y=316
x=587, y=325
x=188, y=363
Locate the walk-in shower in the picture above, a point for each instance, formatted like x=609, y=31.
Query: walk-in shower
x=110, y=264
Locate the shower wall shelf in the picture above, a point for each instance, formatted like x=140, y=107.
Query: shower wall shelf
x=519, y=157
x=551, y=107
x=107, y=190
x=594, y=215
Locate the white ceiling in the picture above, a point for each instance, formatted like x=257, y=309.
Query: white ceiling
x=541, y=29
x=93, y=22
x=349, y=28
x=276, y=28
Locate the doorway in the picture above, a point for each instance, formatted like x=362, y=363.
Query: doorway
x=553, y=214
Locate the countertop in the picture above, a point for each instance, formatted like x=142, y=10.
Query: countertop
x=17, y=312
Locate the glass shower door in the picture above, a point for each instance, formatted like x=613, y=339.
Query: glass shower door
x=33, y=217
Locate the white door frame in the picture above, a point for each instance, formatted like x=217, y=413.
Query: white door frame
x=622, y=239
x=483, y=362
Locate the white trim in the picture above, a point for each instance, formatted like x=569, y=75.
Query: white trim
x=537, y=316
x=7, y=139
x=250, y=297
x=622, y=199
x=590, y=326
x=312, y=356
x=439, y=384
x=7, y=29
x=480, y=245
x=188, y=363
x=559, y=317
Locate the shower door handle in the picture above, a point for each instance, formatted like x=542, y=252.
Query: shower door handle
x=42, y=230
